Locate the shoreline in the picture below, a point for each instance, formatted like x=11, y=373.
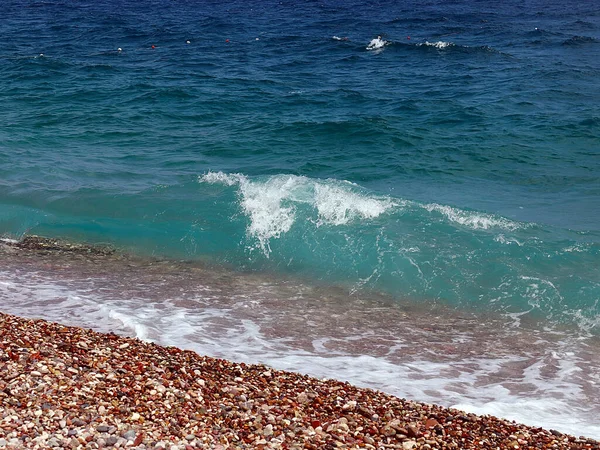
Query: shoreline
x=75, y=388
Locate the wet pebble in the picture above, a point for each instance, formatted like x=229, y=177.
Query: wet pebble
x=99, y=390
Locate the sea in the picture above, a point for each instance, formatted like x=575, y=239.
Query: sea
x=401, y=194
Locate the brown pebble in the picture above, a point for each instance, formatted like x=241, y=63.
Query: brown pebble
x=133, y=389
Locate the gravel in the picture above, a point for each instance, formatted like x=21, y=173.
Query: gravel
x=71, y=388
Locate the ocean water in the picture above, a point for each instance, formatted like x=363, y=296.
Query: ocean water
x=420, y=216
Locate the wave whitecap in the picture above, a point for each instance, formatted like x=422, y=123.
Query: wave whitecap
x=474, y=220
x=439, y=44
x=271, y=203
x=377, y=43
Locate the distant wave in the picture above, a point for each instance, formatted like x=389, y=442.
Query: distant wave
x=580, y=40
x=438, y=44
x=451, y=46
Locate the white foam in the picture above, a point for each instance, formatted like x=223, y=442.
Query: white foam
x=439, y=44
x=338, y=206
x=264, y=205
x=507, y=240
x=577, y=248
x=223, y=178
x=472, y=219
x=538, y=290
x=533, y=412
x=376, y=43
x=271, y=204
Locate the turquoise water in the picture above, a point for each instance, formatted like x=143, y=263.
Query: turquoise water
x=458, y=163
x=455, y=166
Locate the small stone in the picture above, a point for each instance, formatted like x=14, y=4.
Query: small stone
x=112, y=440
x=102, y=428
x=138, y=440
x=302, y=398
x=431, y=423
x=349, y=406
x=35, y=373
x=408, y=445
x=389, y=431
x=3, y=442
x=412, y=431
x=135, y=416
x=129, y=434
x=268, y=430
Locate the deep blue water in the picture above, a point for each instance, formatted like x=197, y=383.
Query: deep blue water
x=456, y=164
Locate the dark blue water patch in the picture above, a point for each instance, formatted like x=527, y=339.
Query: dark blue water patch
x=580, y=40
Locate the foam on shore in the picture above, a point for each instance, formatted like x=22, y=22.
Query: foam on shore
x=66, y=386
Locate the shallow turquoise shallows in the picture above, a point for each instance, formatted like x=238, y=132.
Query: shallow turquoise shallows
x=455, y=161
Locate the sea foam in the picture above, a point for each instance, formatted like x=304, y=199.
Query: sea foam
x=439, y=44
x=271, y=203
x=474, y=220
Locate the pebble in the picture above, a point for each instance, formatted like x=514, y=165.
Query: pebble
x=145, y=396
x=130, y=434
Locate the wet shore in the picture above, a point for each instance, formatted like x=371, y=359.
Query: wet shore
x=68, y=387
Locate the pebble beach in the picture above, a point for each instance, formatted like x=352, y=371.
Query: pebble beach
x=73, y=388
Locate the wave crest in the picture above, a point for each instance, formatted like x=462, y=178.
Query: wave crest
x=472, y=219
x=271, y=203
x=439, y=44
